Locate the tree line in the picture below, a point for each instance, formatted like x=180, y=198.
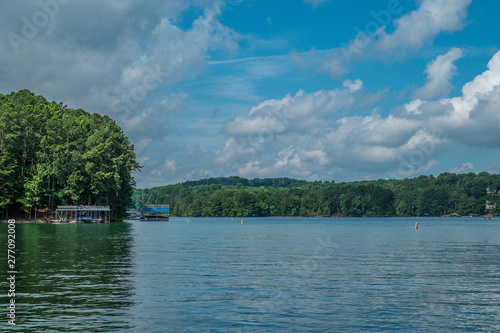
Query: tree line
x=52, y=155
x=449, y=193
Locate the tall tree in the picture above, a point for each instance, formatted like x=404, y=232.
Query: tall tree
x=51, y=154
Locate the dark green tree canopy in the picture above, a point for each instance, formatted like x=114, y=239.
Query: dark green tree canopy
x=51, y=154
x=449, y=193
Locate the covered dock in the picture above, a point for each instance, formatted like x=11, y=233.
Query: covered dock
x=83, y=213
x=155, y=212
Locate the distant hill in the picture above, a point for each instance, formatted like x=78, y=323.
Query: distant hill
x=256, y=182
x=457, y=194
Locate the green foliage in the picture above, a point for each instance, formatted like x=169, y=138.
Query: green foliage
x=51, y=154
x=463, y=194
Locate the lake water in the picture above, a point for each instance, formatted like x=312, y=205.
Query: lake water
x=268, y=275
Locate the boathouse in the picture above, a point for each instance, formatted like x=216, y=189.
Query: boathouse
x=84, y=213
x=155, y=212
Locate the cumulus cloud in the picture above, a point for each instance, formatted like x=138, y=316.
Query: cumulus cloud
x=291, y=112
x=273, y=124
x=473, y=118
x=124, y=58
x=107, y=56
x=406, y=142
x=464, y=168
x=113, y=57
x=439, y=72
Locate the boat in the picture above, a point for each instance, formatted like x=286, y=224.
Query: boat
x=84, y=214
x=86, y=219
x=63, y=220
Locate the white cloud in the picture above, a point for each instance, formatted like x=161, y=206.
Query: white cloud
x=141, y=145
x=174, y=102
x=113, y=57
x=151, y=123
x=411, y=32
x=316, y=156
x=494, y=167
x=374, y=130
x=407, y=143
x=465, y=168
x=408, y=170
x=439, y=72
x=422, y=25
x=169, y=165
x=413, y=107
x=287, y=161
x=473, y=118
x=353, y=86
x=314, y=135
x=245, y=126
x=119, y=58
x=124, y=58
x=485, y=83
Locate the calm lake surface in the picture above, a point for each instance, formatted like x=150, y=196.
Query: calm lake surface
x=268, y=275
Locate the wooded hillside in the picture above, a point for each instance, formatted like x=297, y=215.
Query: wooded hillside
x=51, y=154
x=449, y=193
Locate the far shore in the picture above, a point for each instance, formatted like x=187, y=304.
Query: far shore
x=39, y=221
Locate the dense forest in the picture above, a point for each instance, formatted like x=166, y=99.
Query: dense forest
x=51, y=155
x=447, y=194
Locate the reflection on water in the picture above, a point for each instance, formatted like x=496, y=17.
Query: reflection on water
x=268, y=275
x=72, y=278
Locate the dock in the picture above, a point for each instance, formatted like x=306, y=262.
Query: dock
x=155, y=212
x=82, y=214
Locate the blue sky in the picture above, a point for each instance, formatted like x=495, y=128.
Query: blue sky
x=309, y=89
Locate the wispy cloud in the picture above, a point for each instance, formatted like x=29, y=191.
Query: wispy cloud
x=411, y=32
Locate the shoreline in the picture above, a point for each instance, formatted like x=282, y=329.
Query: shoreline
x=26, y=221
x=340, y=217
